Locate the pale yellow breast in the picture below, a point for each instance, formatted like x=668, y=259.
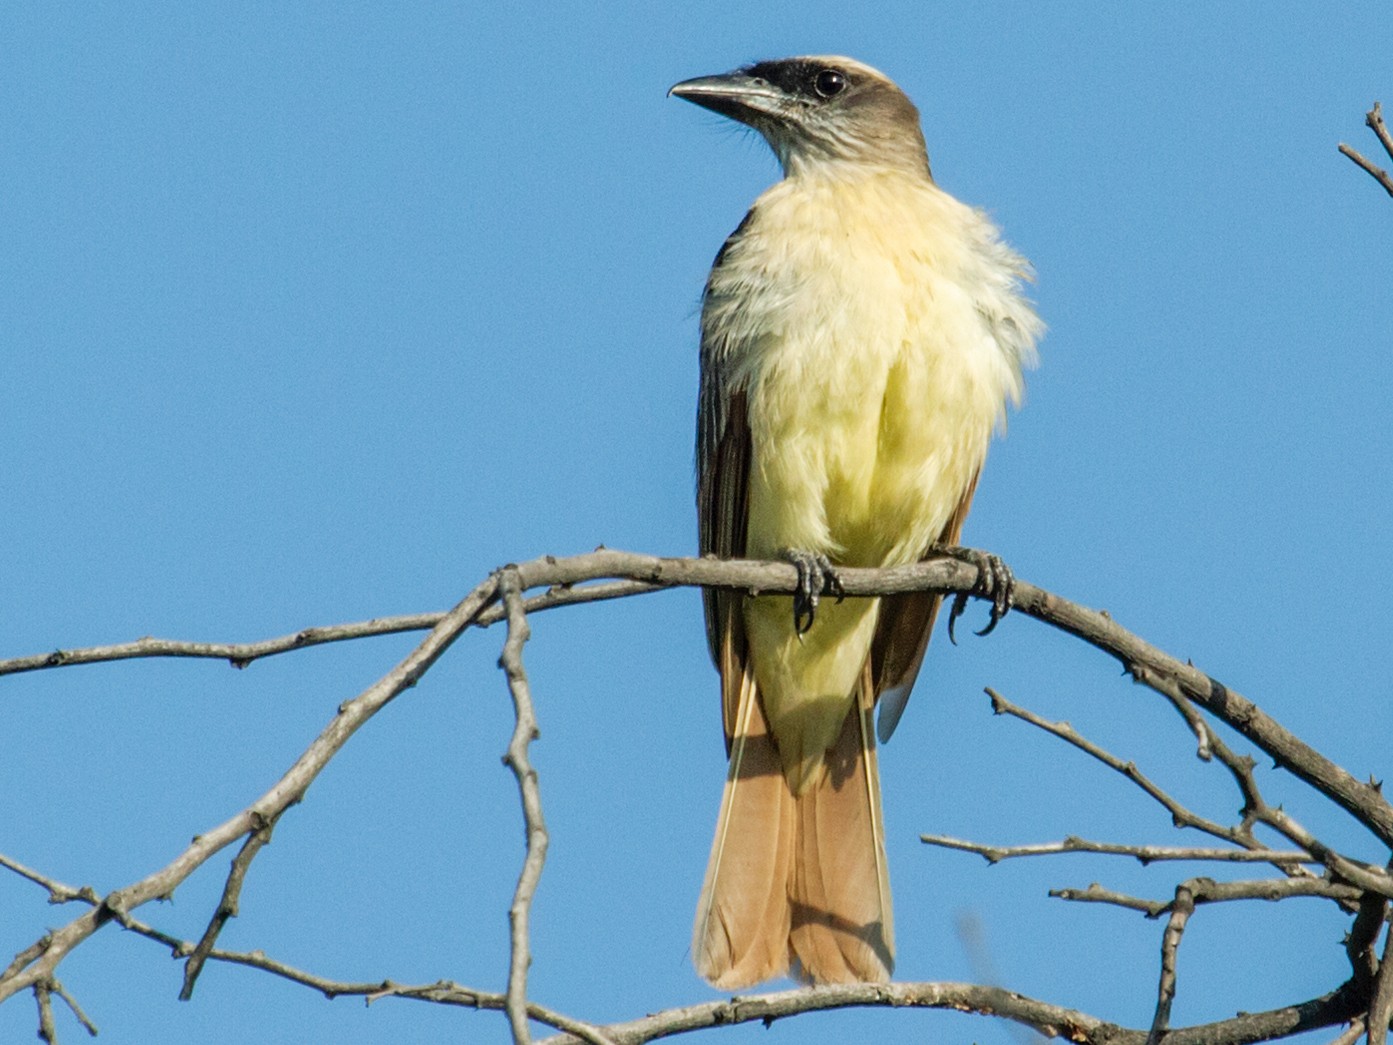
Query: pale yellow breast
x=874, y=380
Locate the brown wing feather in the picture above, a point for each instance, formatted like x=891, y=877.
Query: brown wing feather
x=723, y=473
x=723, y=470
x=722, y=482
x=905, y=624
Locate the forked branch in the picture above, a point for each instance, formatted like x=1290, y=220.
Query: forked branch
x=1374, y=121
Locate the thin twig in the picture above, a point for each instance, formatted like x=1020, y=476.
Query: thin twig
x=1181, y=816
x=1206, y=890
x=1095, y=893
x=57, y=891
x=26, y=956
x=524, y=732
x=444, y=992
x=1364, y=800
x=241, y=654
x=1256, y=809
x=1373, y=119
x=1145, y=854
x=1181, y=908
x=62, y=992
x=1377, y=173
x=1204, y=736
x=1350, y=1034
x=227, y=905
x=441, y=992
x=1366, y=876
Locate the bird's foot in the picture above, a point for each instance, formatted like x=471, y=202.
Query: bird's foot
x=816, y=577
x=994, y=581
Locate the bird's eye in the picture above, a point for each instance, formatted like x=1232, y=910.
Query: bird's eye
x=829, y=82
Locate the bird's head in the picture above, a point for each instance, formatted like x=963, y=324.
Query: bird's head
x=818, y=109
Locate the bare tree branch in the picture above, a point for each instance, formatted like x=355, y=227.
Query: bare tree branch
x=47, y=1031
x=962, y=997
x=1256, y=809
x=524, y=733
x=1145, y=854
x=1363, y=800
x=1362, y=938
x=43, y=997
x=57, y=891
x=1206, y=890
x=444, y=992
x=1377, y=173
x=1181, y=908
x=441, y=992
x=62, y=992
x=1051, y=1020
x=227, y=906
x=1373, y=119
x=1181, y=816
x=238, y=654
x=1204, y=736
x=1095, y=893
x=241, y=654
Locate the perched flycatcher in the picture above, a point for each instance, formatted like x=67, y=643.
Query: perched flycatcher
x=861, y=334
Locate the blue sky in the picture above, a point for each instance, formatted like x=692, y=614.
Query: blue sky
x=318, y=312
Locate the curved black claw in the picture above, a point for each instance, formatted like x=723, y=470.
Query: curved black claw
x=956, y=611
x=994, y=581
x=816, y=577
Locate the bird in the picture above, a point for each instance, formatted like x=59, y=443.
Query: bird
x=862, y=334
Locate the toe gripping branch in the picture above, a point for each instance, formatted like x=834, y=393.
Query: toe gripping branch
x=816, y=577
x=994, y=581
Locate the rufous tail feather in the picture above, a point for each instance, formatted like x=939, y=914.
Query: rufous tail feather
x=797, y=881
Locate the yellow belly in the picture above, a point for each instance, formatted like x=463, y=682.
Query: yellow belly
x=872, y=483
